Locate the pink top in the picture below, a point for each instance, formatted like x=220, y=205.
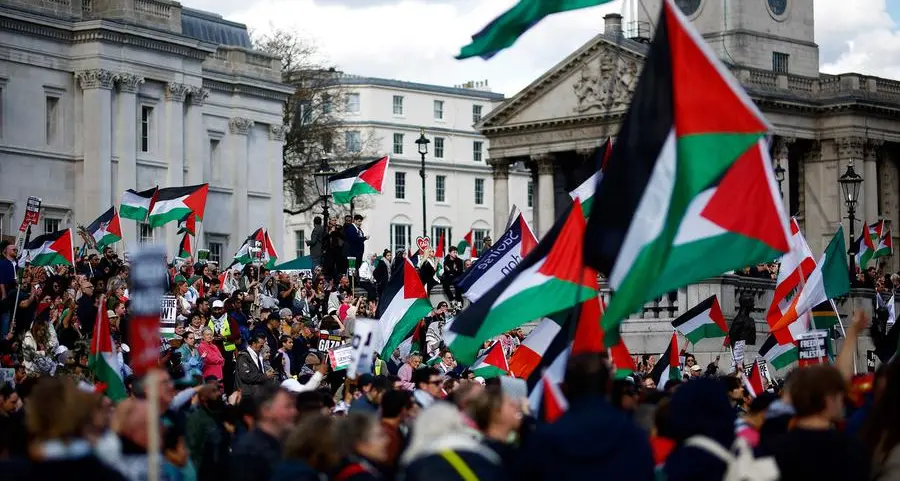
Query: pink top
x=213, y=361
x=750, y=435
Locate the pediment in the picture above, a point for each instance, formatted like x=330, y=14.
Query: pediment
x=596, y=80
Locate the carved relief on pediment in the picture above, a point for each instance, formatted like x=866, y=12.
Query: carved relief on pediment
x=606, y=82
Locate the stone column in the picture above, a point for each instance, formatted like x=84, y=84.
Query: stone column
x=238, y=150
x=545, y=207
x=889, y=176
x=174, y=146
x=95, y=195
x=126, y=145
x=812, y=155
x=276, y=187
x=781, y=156
x=195, y=150
x=869, y=196
x=501, y=194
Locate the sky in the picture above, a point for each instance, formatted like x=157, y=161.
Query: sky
x=416, y=40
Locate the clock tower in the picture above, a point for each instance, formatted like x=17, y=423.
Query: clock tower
x=774, y=35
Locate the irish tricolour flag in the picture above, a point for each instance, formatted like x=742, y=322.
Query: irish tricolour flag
x=402, y=305
x=492, y=363
x=106, y=230
x=690, y=179
x=174, y=203
x=49, y=250
x=359, y=180
x=136, y=205
x=102, y=360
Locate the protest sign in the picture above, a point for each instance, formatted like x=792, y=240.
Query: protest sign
x=340, y=357
x=813, y=348
x=328, y=342
x=737, y=353
x=8, y=376
x=148, y=276
x=870, y=360
x=363, y=354
x=168, y=316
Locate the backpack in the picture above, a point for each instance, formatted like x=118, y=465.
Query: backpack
x=740, y=463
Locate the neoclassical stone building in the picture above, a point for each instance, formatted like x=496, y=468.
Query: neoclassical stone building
x=97, y=97
x=821, y=122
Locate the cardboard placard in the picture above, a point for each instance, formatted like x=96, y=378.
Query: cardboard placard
x=870, y=360
x=328, y=342
x=168, y=316
x=340, y=357
x=813, y=347
x=737, y=353
x=363, y=355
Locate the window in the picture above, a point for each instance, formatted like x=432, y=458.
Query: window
x=476, y=114
x=354, y=143
x=400, y=236
x=436, y=232
x=438, y=109
x=476, y=150
x=398, y=105
x=146, y=127
x=145, y=235
x=52, y=105
x=780, y=62
x=51, y=225
x=299, y=243
x=353, y=103
x=399, y=185
x=478, y=236
x=440, y=188
x=438, y=147
x=479, y=191
x=398, y=144
x=215, y=164
x=326, y=103
x=530, y=193
x=305, y=112
x=215, y=244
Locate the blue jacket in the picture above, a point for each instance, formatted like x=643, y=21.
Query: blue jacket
x=592, y=440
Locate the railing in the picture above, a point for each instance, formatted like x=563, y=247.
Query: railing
x=163, y=10
x=823, y=87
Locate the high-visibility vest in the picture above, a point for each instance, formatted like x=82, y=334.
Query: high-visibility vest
x=226, y=331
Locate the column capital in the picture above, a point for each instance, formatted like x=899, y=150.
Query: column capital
x=176, y=92
x=543, y=163
x=277, y=132
x=872, y=148
x=197, y=95
x=850, y=148
x=128, y=82
x=239, y=125
x=500, y=167
x=98, y=78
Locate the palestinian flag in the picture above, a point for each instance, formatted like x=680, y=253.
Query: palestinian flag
x=504, y=30
x=137, y=205
x=184, y=247
x=585, y=191
x=402, y=305
x=885, y=245
x=529, y=354
x=106, y=229
x=794, y=269
x=703, y=321
x=362, y=179
x=50, y=249
x=779, y=356
x=554, y=402
x=828, y=280
x=550, y=280
x=867, y=243
x=545, y=380
x=588, y=335
x=466, y=247
x=269, y=255
x=439, y=250
x=668, y=366
x=623, y=363
x=754, y=382
x=824, y=316
x=690, y=175
x=174, y=203
x=492, y=363
x=102, y=360
x=188, y=224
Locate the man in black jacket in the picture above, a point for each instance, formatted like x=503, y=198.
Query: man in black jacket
x=453, y=268
x=382, y=273
x=256, y=453
x=252, y=377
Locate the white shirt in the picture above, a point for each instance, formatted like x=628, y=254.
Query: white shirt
x=365, y=271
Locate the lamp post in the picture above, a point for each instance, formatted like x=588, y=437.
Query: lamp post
x=422, y=143
x=779, y=176
x=321, y=175
x=850, y=184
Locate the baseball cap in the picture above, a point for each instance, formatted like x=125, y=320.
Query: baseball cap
x=696, y=367
x=285, y=313
x=218, y=303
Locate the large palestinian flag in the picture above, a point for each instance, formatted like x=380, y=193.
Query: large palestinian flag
x=690, y=178
x=492, y=363
x=102, y=360
x=779, y=356
x=269, y=255
x=586, y=190
x=106, y=229
x=49, y=250
x=550, y=280
x=174, y=203
x=362, y=179
x=494, y=264
x=136, y=205
x=703, y=321
x=667, y=368
x=402, y=305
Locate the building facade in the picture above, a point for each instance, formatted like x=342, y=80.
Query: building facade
x=385, y=117
x=100, y=97
x=822, y=123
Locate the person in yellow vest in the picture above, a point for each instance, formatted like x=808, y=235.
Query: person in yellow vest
x=226, y=336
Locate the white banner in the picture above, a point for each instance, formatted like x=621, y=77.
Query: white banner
x=363, y=347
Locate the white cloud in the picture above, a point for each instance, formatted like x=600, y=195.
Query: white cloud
x=416, y=40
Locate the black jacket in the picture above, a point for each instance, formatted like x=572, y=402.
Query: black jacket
x=434, y=467
x=254, y=457
x=381, y=273
x=453, y=268
x=250, y=378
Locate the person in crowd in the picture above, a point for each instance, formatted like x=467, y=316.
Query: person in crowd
x=453, y=269
x=370, y=400
x=227, y=336
x=197, y=321
x=309, y=452
x=355, y=239
x=212, y=358
x=749, y=425
x=881, y=430
x=177, y=464
x=382, y=272
x=207, y=438
x=191, y=360
x=572, y=441
x=817, y=395
x=251, y=375
x=624, y=396
x=316, y=241
x=39, y=347
x=406, y=371
x=256, y=454
x=362, y=446
x=395, y=410
x=428, y=386
x=661, y=437
x=8, y=284
x=281, y=361
x=499, y=417
x=448, y=365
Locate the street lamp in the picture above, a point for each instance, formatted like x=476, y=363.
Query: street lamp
x=422, y=142
x=779, y=176
x=321, y=175
x=850, y=184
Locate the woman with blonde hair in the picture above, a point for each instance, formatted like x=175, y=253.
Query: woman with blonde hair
x=428, y=269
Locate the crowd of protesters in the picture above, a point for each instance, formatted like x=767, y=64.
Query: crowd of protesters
x=246, y=393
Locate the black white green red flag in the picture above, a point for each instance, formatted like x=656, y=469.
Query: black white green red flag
x=137, y=205
x=690, y=175
x=402, y=305
x=492, y=363
x=174, y=203
x=188, y=224
x=55, y=248
x=106, y=229
x=585, y=191
x=359, y=180
x=102, y=361
x=703, y=321
x=184, y=247
x=667, y=368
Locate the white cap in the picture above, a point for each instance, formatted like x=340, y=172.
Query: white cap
x=218, y=303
